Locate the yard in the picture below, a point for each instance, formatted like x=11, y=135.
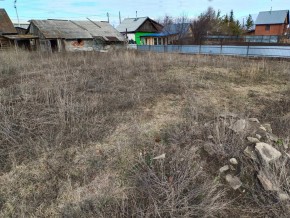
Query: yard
x=85, y=134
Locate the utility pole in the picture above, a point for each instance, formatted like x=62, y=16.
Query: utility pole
x=108, y=15
x=15, y=1
x=120, y=20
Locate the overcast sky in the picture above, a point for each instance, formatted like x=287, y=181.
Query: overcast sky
x=97, y=9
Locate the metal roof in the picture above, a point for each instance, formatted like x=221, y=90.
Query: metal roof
x=131, y=24
x=6, y=26
x=179, y=28
x=67, y=29
x=172, y=29
x=272, y=17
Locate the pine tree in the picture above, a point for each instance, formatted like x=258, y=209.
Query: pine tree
x=218, y=15
x=232, y=16
x=249, y=22
x=226, y=19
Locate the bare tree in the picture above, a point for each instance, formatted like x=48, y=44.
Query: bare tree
x=183, y=25
x=166, y=20
x=175, y=28
x=204, y=24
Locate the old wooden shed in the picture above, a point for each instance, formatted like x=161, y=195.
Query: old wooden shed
x=68, y=35
x=9, y=38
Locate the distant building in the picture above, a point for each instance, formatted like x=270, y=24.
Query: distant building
x=68, y=35
x=9, y=36
x=21, y=24
x=272, y=22
x=170, y=34
x=134, y=28
x=6, y=25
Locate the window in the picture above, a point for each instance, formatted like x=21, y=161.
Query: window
x=267, y=27
x=155, y=41
x=159, y=41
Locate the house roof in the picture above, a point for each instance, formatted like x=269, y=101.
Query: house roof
x=172, y=29
x=179, y=28
x=272, y=17
x=6, y=26
x=54, y=29
x=67, y=29
x=101, y=29
x=133, y=24
x=20, y=37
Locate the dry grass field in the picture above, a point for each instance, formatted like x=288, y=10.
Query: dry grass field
x=79, y=133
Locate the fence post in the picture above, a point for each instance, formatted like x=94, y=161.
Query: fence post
x=199, y=48
x=221, y=51
x=248, y=48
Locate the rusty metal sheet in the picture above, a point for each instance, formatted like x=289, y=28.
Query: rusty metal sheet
x=6, y=25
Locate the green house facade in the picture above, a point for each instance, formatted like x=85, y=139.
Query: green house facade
x=134, y=28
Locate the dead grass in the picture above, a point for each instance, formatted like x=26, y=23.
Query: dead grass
x=78, y=133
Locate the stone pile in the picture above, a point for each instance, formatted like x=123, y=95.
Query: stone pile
x=261, y=148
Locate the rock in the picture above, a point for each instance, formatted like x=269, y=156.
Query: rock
x=267, y=152
x=272, y=137
x=209, y=148
x=234, y=161
x=210, y=137
x=283, y=196
x=239, y=125
x=266, y=182
x=232, y=167
x=213, y=149
x=233, y=181
x=253, y=140
x=250, y=152
x=254, y=120
x=162, y=156
x=286, y=144
x=224, y=168
x=258, y=136
x=268, y=127
x=263, y=128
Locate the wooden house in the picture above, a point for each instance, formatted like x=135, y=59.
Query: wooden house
x=272, y=22
x=68, y=35
x=9, y=37
x=6, y=28
x=134, y=28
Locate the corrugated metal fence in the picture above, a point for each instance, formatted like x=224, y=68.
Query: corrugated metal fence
x=248, y=51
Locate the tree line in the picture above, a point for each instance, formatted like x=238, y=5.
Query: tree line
x=211, y=22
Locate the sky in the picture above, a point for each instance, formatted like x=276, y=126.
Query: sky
x=97, y=9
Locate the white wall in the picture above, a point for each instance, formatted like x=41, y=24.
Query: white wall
x=130, y=36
